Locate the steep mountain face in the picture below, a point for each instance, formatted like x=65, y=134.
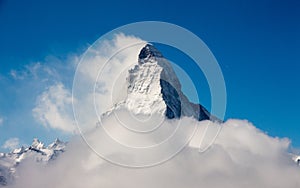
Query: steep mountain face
x=37, y=151
x=153, y=87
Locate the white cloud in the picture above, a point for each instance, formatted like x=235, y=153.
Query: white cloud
x=30, y=70
x=13, y=73
x=242, y=156
x=51, y=69
x=1, y=120
x=56, y=112
x=11, y=143
x=105, y=63
x=54, y=108
x=26, y=84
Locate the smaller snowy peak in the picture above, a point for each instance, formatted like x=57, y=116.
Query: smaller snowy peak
x=37, y=152
x=18, y=150
x=57, y=145
x=36, y=144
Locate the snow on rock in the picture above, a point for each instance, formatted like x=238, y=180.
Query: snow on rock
x=153, y=87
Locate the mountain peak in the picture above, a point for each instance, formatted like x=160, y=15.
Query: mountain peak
x=148, y=52
x=153, y=88
x=37, y=144
x=57, y=144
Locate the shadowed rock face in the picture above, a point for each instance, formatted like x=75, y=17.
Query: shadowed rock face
x=173, y=103
x=172, y=100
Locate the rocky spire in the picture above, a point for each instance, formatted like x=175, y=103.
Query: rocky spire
x=153, y=87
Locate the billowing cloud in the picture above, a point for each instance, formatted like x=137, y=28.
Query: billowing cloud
x=11, y=143
x=242, y=156
x=54, y=108
x=25, y=84
x=102, y=72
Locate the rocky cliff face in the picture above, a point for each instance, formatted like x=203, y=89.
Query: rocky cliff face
x=153, y=87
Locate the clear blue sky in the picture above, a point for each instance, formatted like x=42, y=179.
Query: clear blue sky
x=257, y=44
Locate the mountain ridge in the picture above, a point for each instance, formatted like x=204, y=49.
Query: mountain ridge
x=37, y=151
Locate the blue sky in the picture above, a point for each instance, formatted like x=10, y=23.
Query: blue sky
x=257, y=44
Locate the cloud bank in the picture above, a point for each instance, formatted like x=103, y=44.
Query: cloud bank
x=242, y=156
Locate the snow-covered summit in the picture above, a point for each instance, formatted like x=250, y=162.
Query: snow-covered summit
x=36, y=144
x=149, y=52
x=153, y=87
